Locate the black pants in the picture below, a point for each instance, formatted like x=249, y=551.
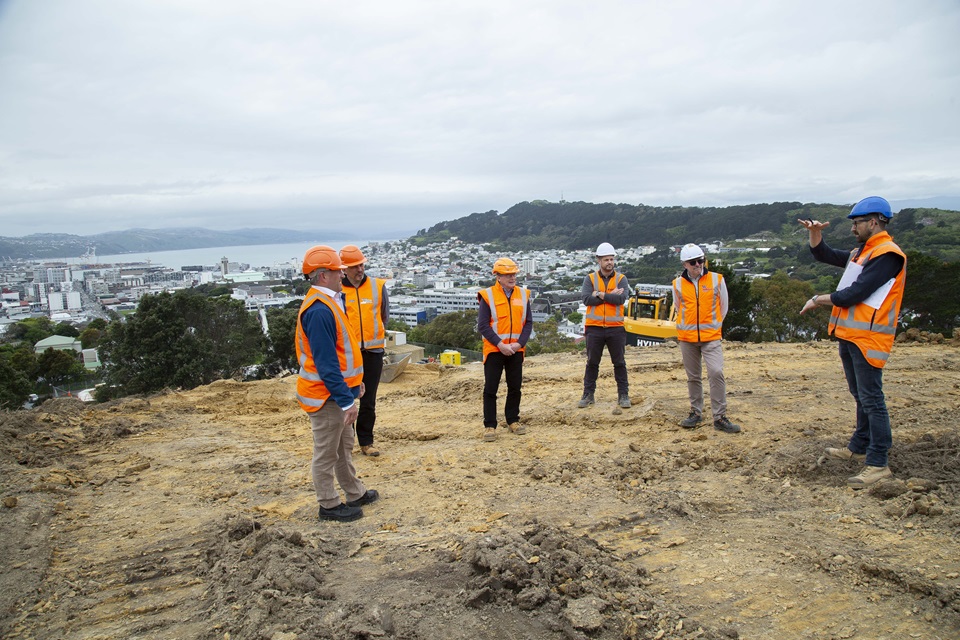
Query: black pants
x=493, y=368
x=372, y=368
x=615, y=339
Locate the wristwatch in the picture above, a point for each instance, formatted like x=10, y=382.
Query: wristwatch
x=814, y=300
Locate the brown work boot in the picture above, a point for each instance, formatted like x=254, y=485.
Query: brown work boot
x=844, y=454
x=517, y=427
x=869, y=476
x=489, y=434
x=370, y=450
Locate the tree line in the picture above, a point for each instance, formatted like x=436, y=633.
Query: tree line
x=583, y=225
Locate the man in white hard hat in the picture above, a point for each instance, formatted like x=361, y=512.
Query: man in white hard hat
x=701, y=300
x=604, y=294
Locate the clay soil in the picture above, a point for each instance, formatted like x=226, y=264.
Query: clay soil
x=191, y=514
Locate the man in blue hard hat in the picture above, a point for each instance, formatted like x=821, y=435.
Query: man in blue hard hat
x=865, y=310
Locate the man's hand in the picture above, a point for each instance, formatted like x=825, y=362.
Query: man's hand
x=350, y=415
x=815, y=227
x=363, y=389
x=506, y=349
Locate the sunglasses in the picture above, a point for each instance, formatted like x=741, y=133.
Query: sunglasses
x=696, y=261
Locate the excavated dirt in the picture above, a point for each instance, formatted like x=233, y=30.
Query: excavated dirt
x=191, y=514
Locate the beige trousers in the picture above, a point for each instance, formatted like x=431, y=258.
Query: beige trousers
x=712, y=354
x=333, y=457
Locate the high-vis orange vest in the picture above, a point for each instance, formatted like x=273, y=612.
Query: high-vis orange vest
x=311, y=392
x=698, y=308
x=507, y=315
x=872, y=330
x=363, y=311
x=606, y=314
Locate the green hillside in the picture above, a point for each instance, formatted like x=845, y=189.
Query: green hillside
x=582, y=225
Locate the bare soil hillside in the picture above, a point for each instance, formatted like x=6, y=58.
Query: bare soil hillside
x=191, y=514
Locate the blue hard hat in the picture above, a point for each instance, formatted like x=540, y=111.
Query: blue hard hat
x=872, y=204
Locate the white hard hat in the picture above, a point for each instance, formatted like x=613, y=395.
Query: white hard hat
x=690, y=251
x=606, y=249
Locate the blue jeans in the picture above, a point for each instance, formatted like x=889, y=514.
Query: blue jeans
x=865, y=381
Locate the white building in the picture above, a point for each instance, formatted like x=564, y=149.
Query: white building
x=449, y=301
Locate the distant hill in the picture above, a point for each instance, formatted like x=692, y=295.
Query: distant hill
x=581, y=225
x=62, y=245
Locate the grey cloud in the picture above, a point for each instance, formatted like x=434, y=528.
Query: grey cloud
x=119, y=113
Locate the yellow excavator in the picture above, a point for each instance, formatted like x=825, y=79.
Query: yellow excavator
x=649, y=318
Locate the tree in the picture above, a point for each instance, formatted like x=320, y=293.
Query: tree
x=547, y=339
x=178, y=340
x=457, y=330
x=24, y=360
x=15, y=387
x=777, y=311
x=738, y=325
x=97, y=323
x=31, y=330
x=58, y=367
x=66, y=329
x=397, y=325
x=89, y=337
x=931, y=297
x=575, y=317
x=281, y=351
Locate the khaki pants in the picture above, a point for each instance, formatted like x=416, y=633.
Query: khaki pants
x=332, y=456
x=712, y=354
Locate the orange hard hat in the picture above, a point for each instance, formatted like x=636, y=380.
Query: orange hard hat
x=321, y=257
x=352, y=256
x=505, y=267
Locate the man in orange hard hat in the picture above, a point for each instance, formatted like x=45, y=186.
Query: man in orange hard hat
x=329, y=384
x=368, y=310
x=505, y=322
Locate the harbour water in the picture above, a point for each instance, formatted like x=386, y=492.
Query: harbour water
x=260, y=255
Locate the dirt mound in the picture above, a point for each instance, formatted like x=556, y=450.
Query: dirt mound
x=574, y=584
x=267, y=580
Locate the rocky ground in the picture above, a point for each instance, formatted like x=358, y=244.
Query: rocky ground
x=191, y=514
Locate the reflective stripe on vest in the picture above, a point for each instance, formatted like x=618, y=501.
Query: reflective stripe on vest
x=312, y=393
x=509, y=327
x=363, y=309
x=872, y=330
x=692, y=325
x=604, y=314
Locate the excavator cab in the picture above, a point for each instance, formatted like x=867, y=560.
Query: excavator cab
x=649, y=318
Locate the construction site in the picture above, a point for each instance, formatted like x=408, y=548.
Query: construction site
x=191, y=514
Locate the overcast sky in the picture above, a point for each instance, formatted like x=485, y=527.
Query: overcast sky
x=390, y=116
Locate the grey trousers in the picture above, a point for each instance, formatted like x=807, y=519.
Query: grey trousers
x=332, y=456
x=712, y=354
